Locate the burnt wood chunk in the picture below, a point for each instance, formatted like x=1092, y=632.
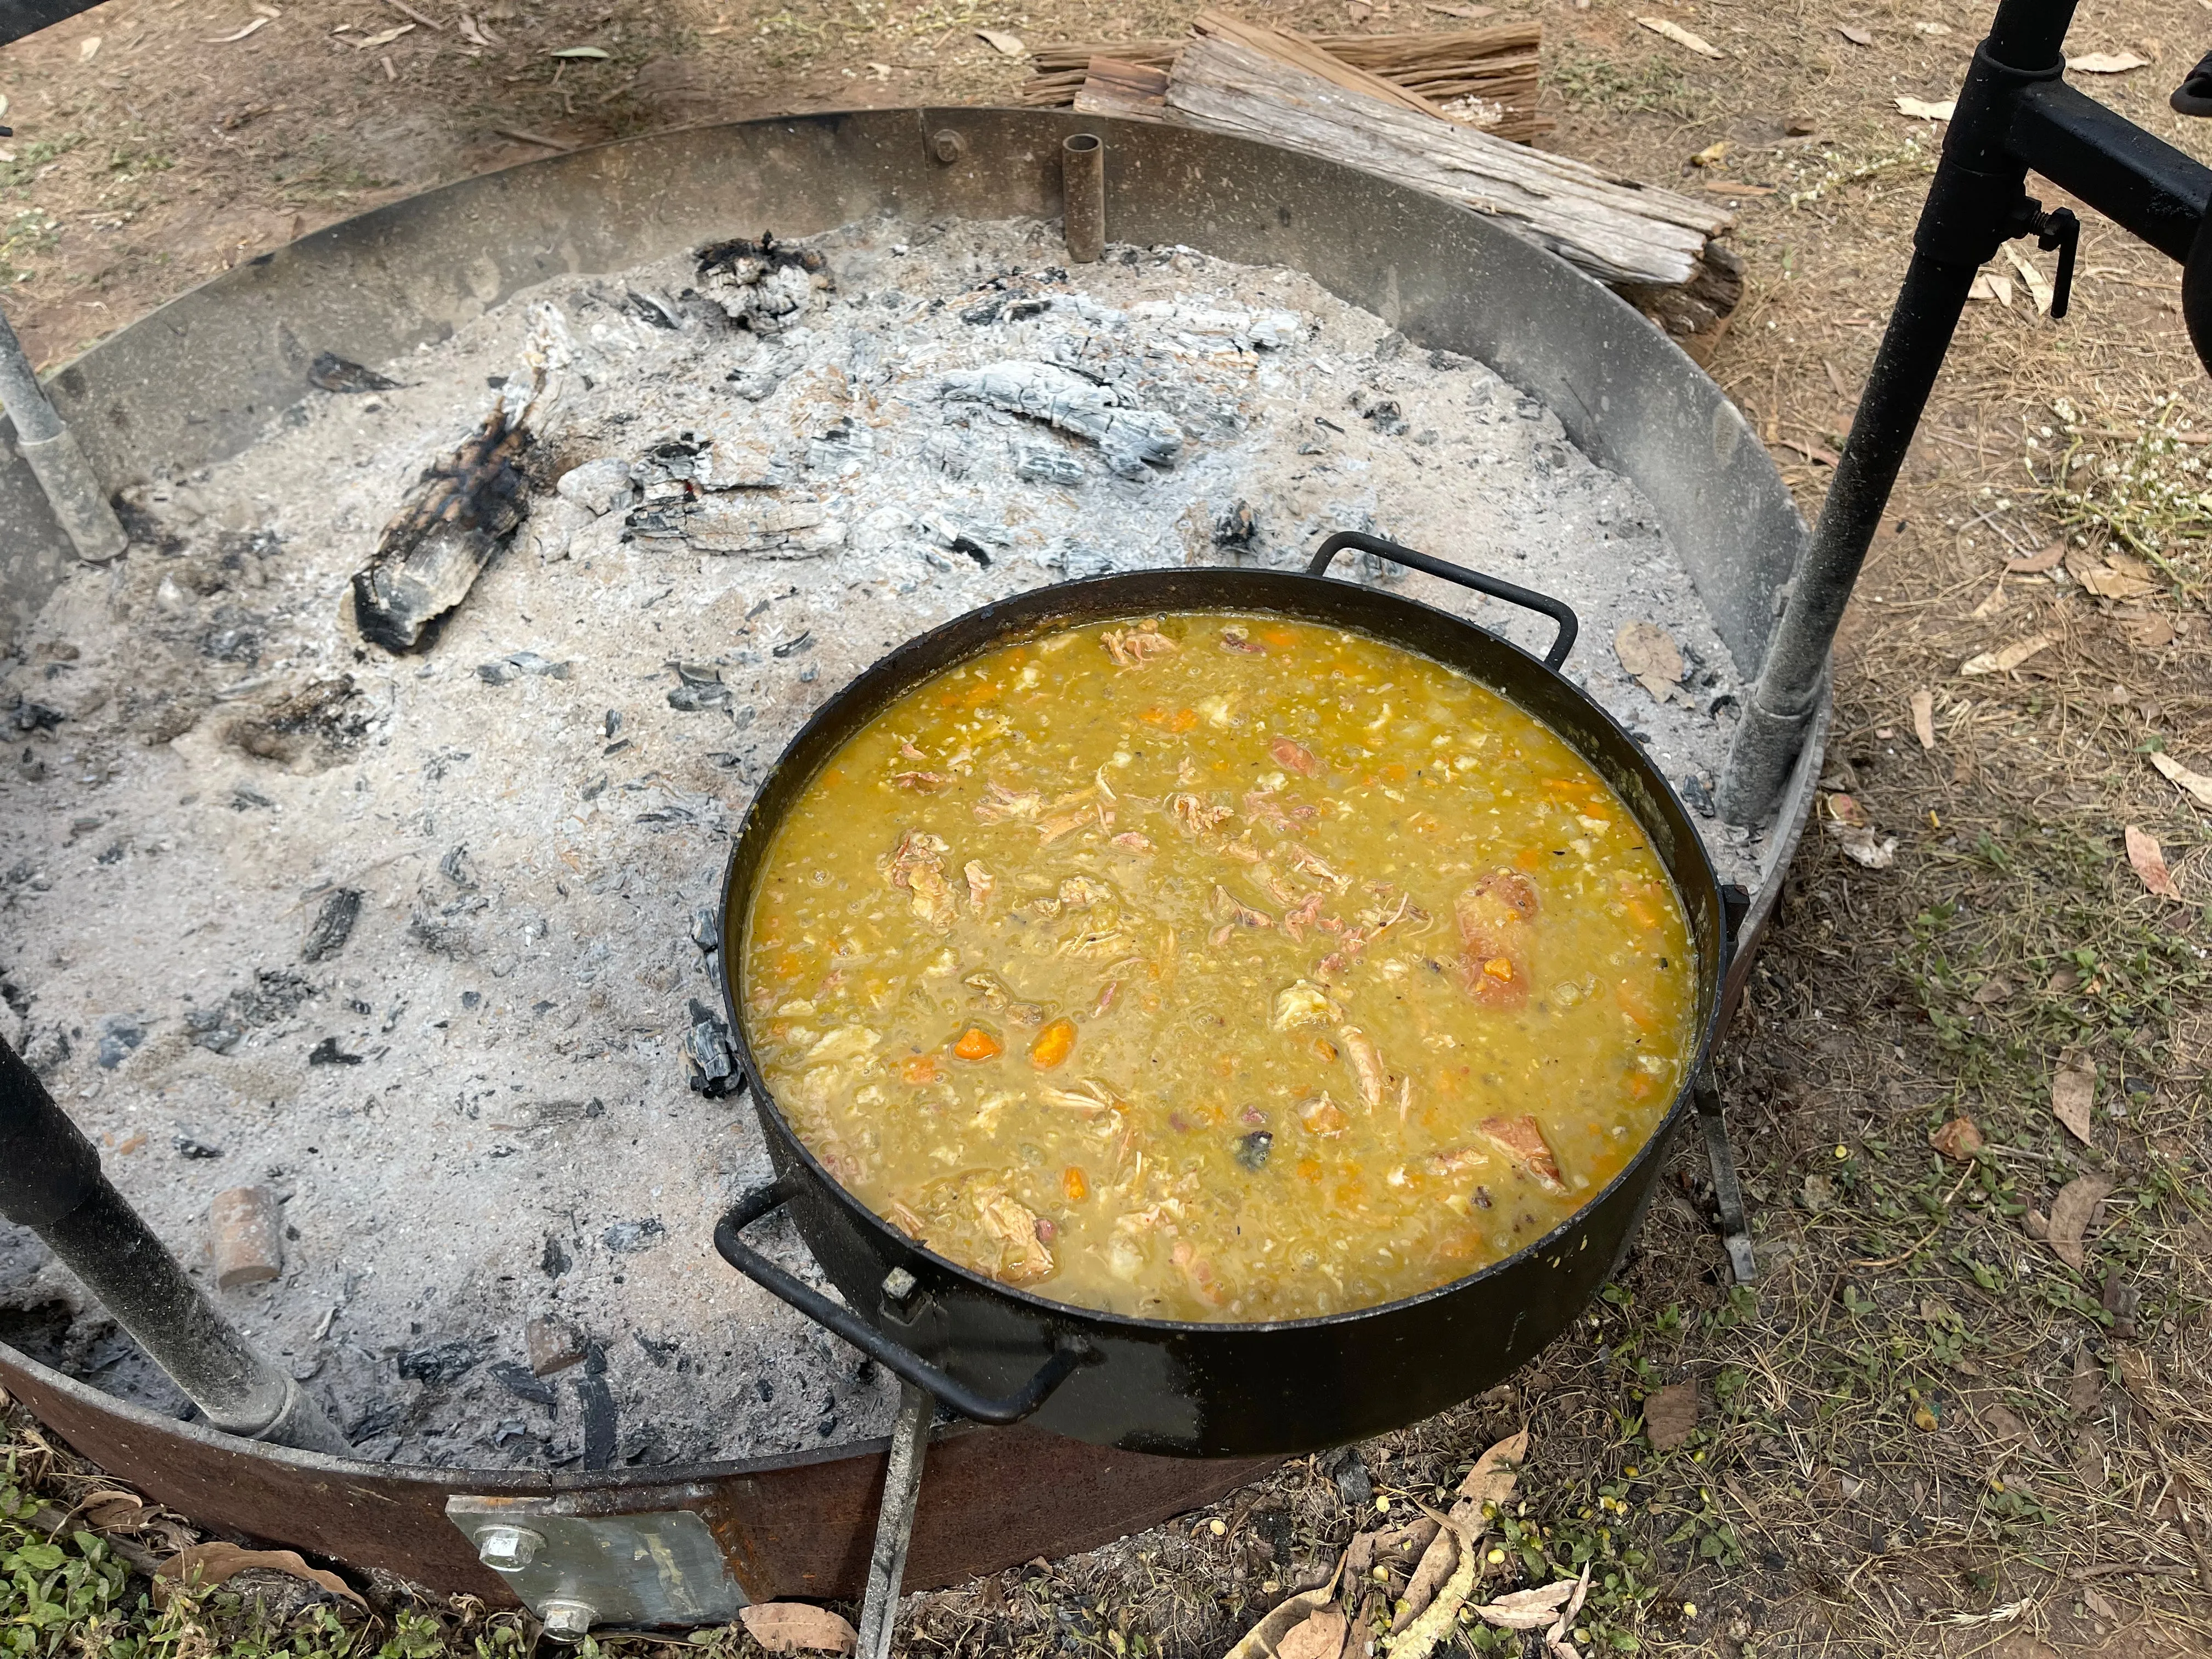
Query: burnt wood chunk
x=465, y=508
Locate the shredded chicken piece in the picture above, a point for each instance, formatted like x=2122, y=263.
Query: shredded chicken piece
x=1001, y=804
x=1089, y=1098
x=1099, y=942
x=1133, y=647
x=1198, y=1271
x=1304, y=1004
x=1307, y=862
x=1260, y=807
x=1339, y=961
x=1366, y=1064
x=1299, y=917
x=1405, y=1097
x=1080, y=893
x=1243, y=851
x=1295, y=756
x=1193, y=813
x=907, y=1221
x=1522, y=1139
x=1023, y=1257
x=917, y=849
x=1234, y=638
x=1496, y=918
x=917, y=865
x=924, y=783
x=1134, y=843
x=1053, y=828
x=1275, y=887
x=980, y=884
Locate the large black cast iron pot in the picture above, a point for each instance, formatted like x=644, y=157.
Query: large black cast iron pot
x=996, y=1354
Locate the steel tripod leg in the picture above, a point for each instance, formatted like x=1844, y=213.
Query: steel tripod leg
x=1728, y=1191
x=895, y=1524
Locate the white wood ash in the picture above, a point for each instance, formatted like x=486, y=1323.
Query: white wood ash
x=408, y=939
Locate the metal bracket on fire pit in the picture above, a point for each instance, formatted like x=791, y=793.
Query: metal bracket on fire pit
x=577, y=1571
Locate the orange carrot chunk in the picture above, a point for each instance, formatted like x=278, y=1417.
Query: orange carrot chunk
x=1053, y=1044
x=1072, y=1183
x=976, y=1044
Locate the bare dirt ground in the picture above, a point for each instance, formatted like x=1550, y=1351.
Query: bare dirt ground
x=1924, y=1432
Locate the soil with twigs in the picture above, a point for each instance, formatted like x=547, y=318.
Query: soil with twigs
x=1923, y=1431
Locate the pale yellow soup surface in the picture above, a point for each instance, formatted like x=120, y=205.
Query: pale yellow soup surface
x=1217, y=967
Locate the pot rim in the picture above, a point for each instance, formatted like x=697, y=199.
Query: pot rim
x=1710, y=973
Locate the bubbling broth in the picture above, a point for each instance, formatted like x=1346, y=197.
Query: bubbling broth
x=1211, y=966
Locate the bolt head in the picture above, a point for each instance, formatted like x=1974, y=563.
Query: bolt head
x=947, y=145
x=507, y=1549
x=568, y=1621
x=898, y=1284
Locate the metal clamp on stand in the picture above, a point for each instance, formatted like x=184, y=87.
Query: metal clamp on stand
x=1728, y=1190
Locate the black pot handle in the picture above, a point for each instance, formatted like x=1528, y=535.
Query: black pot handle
x=901, y=1362
x=1557, y=609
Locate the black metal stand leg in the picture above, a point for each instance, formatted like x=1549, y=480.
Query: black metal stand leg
x=1781, y=705
x=1728, y=1191
x=895, y=1524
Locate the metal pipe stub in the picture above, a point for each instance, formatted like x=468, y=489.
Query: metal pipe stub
x=1082, y=188
x=71, y=488
x=50, y=1181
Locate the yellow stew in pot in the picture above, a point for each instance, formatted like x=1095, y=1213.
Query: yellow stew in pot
x=1216, y=967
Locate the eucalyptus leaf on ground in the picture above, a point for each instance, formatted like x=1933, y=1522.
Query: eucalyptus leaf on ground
x=797, y=1627
x=1670, y=1414
x=2147, y=860
x=1528, y=1609
x=2073, y=1093
x=1668, y=28
x=2071, y=1212
x=2195, y=783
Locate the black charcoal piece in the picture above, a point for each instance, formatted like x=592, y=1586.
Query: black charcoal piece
x=187, y=1147
x=628, y=1237
x=517, y=1381
x=331, y=373
x=334, y=926
x=440, y=1364
x=1252, y=1150
x=327, y=1053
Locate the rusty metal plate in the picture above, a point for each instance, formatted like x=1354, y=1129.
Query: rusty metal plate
x=794, y=1525
x=645, y=1567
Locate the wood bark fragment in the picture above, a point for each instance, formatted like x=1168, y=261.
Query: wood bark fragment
x=1618, y=230
x=464, y=506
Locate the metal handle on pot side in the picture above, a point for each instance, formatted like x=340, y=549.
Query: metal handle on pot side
x=1557, y=609
x=900, y=1362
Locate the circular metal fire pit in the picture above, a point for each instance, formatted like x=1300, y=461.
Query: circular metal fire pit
x=380, y=284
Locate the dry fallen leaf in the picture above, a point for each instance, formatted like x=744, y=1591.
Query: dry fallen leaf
x=1958, y=1141
x=2008, y=657
x=225, y=40
x=88, y=49
x=793, y=1626
x=1668, y=28
x=1923, y=718
x=2121, y=576
x=1988, y=285
x=2071, y=1212
x=1528, y=1609
x=2194, y=782
x=2039, y=287
x=592, y=52
x=385, y=37
x=1436, y=1564
x=1470, y=12
x=1491, y=1480
x=2073, y=1092
x=2036, y=563
x=209, y=1564
x=1861, y=845
x=1419, y=1639
x=1320, y=1637
x=2148, y=631
x=2149, y=862
x=1920, y=109
x=1856, y=36
x=1000, y=40
x=1712, y=154
x=2107, y=62
x=2098, y=1603
x=1933, y=28
x=1670, y=1414
x=1267, y=1637
x=1648, y=651
x=1996, y=988
x=1844, y=809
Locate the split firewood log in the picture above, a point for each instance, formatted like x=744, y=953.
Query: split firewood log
x=464, y=506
